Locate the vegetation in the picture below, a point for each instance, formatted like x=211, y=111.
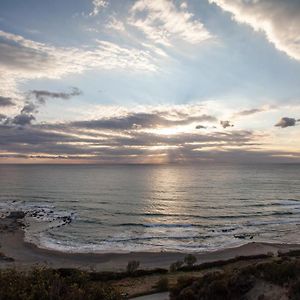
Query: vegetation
x=176, y=265
x=221, y=263
x=162, y=284
x=43, y=284
x=109, y=275
x=132, y=266
x=190, y=260
x=227, y=283
x=235, y=284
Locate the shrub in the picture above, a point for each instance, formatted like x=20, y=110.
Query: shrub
x=187, y=294
x=294, y=292
x=280, y=272
x=132, y=266
x=43, y=284
x=162, y=285
x=289, y=254
x=182, y=283
x=176, y=265
x=190, y=260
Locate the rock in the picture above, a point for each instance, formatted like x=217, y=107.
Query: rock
x=16, y=215
x=244, y=236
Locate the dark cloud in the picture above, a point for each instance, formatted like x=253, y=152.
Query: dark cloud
x=19, y=58
x=226, y=124
x=286, y=122
x=125, y=143
x=29, y=107
x=200, y=127
x=41, y=95
x=249, y=112
x=64, y=141
x=6, y=101
x=37, y=139
x=141, y=120
x=23, y=119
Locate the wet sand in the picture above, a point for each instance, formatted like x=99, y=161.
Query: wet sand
x=25, y=255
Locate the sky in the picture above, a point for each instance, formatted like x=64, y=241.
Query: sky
x=149, y=81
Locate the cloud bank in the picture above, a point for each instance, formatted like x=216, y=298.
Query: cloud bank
x=152, y=136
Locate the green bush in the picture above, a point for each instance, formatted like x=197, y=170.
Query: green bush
x=190, y=260
x=132, y=266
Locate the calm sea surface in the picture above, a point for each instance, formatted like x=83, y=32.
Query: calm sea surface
x=153, y=208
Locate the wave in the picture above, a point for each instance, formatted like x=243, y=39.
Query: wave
x=159, y=225
x=212, y=217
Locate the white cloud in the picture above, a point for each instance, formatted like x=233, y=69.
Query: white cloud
x=97, y=6
x=279, y=20
x=116, y=25
x=23, y=59
x=164, y=22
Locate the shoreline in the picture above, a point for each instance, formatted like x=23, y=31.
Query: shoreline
x=22, y=254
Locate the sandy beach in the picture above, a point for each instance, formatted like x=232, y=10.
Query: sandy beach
x=18, y=253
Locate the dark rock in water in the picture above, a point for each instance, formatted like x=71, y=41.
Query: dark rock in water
x=228, y=229
x=16, y=215
x=243, y=236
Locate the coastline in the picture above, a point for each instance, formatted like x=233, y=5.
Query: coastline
x=24, y=255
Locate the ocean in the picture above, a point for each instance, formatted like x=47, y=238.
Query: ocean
x=122, y=208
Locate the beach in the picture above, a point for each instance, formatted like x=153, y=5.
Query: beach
x=25, y=255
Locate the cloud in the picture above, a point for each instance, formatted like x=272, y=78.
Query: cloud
x=97, y=6
x=200, y=127
x=116, y=25
x=279, y=20
x=286, y=122
x=143, y=120
x=86, y=141
x=42, y=95
x=64, y=141
x=22, y=59
x=249, y=112
x=6, y=101
x=23, y=119
x=154, y=135
x=29, y=107
x=226, y=124
x=161, y=21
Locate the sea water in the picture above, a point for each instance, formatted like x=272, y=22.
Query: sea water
x=188, y=208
